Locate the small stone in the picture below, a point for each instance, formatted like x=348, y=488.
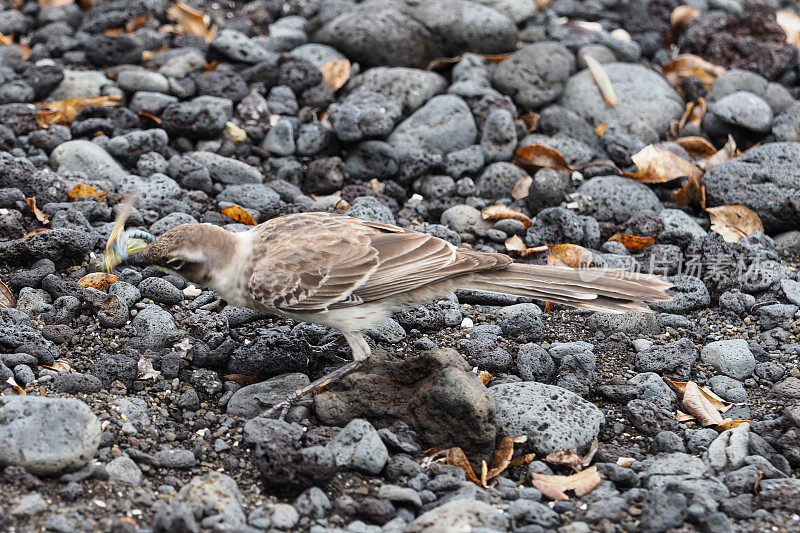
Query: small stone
x=730, y=357
x=359, y=447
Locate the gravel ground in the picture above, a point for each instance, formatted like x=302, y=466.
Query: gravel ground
x=143, y=398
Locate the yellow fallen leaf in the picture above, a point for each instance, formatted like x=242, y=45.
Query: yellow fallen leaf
x=336, y=73
x=570, y=255
x=98, y=280
x=38, y=213
x=501, y=212
x=239, y=214
x=235, y=133
x=81, y=190
x=555, y=487
x=7, y=300
x=734, y=222
x=455, y=456
x=64, y=111
x=501, y=458
x=634, y=243
x=34, y=232
x=730, y=424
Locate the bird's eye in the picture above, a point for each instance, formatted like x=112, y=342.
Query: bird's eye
x=176, y=264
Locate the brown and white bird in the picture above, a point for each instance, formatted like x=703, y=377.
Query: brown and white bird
x=351, y=274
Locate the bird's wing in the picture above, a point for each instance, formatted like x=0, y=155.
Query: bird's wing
x=315, y=261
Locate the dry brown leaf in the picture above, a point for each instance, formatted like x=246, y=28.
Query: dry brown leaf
x=98, y=280
x=543, y=4
x=678, y=20
x=336, y=73
x=136, y=23
x=680, y=387
x=734, y=222
x=699, y=406
x=522, y=187
x=568, y=458
x=502, y=457
x=555, y=487
x=587, y=458
x=516, y=244
x=444, y=61
x=455, y=456
x=625, y=462
x=34, y=232
x=728, y=152
x=211, y=66
x=485, y=377
x=634, y=243
x=148, y=55
x=570, y=255
x=522, y=459
x=7, y=300
x=692, y=116
x=547, y=307
x=536, y=156
x=684, y=417
x=6, y=40
x=151, y=117
x=657, y=165
x=601, y=79
x=501, y=212
x=692, y=191
x=239, y=214
x=730, y=424
x=242, y=379
x=235, y=133
x=376, y=185
x=55, y=3
x=60, y=365
x=64, y=111
x=790, y=22
x=531, y=120
x=698, y=147
x=15, y=387
x=81, y=190
x=600, y=129
x=86, y=5
x=688, y=65
x=38, y=213
x=190, y=20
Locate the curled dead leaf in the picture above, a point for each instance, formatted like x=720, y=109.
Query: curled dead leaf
x=570, y=255
x=501, y=212
x=658, y=165
x=531, y=120
x=678, y=20
x=692, y=116
x=699, y=406
x=516, y=244
x=59, y=365
x=151, y=117
x=34, y=232
x=19, y=391
x=726, y=153
x=81, y=190
x=522, y=188
x=145, y=369
x=38, y=213
x=55, y=3
x=7, y=300
x=569, y=458
x=441, y=62
x=730, y=424
x=688, y=65
x=734, y=222
x=376, y=185
x=634, y=243
x=485, y=377
x=190, y=20
x=64, y=111
x=455, y=456
x=600, y=129
x=336, y=73
x=625, y=462
x=601, y=79
x=718, y=403
x=501, y=459
x=536, y=156
x=239, y=214
x=697, y=147
x=98, y=280
x=555, y=487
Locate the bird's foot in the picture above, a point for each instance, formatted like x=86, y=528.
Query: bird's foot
x=282, y=408
x=327, y=351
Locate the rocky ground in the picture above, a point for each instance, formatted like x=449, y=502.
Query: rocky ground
x=142, y=398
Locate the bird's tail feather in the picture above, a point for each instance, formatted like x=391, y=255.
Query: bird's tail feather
x=607, y=290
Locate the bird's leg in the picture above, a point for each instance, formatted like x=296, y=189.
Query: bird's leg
x=327, y=351
x=361, y=351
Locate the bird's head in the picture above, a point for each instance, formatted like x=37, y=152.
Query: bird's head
x=196, y=252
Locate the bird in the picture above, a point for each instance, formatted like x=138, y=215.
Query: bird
x=352, y=274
